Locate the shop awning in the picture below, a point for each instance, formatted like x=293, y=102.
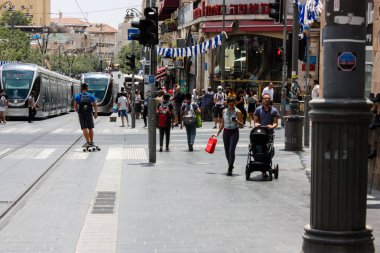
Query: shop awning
x=159, y=76
x=262, y=26
x=217, y=26
x=166, y=8
x=159, y=70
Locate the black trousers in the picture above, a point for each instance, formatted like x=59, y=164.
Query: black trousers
x=30, y=116
x=164, y=131
x=145, y=114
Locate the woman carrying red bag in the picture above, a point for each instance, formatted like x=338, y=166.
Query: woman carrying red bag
x=231, y=122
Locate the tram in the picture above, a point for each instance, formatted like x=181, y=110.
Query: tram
x=54, y=92
x=101, y=86
x=139, y=82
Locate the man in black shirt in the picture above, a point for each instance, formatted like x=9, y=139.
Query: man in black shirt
x=178, y=100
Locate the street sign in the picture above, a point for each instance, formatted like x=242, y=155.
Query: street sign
x=132, y=31
x=147, y=62
x=152, y=80
x=347, y=61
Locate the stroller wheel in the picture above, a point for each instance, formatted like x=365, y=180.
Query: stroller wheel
x=276, y=172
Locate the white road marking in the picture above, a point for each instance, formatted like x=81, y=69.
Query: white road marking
x=9, y=130
x=44, y=154
x=78, y=154
x=99, y=231
x=58, y=131
x=5, y=151
x=106, y=131
x=373, y=202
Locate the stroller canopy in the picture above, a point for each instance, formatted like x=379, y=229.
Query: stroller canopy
x=259, y=135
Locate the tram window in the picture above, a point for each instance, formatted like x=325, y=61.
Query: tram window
x=37, y=86
x=17, y=83
x=97, y=87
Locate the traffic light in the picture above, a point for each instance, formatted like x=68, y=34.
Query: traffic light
x=277, y=13
x=279, y=51
x=132, y=62
x=148, y=28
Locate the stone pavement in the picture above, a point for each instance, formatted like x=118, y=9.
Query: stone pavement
x=184, y=203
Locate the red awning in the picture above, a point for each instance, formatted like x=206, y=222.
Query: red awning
x=262, y=26
x=217, y=26
x=159, y=76
x=161, y=70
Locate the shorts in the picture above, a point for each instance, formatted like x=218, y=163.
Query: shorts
x=123, y=113
x=138, y=108
x=2, y=109
x=86, y=121
x=218, y=111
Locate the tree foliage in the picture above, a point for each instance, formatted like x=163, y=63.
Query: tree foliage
x=14, y=45
x=123, y=61
x=13, y=18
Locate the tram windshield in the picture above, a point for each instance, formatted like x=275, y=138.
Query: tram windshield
x=17, y=83
x=97, y=87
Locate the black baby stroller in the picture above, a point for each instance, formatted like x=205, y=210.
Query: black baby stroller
x=260, y=153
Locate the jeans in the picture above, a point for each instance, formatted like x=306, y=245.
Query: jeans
x=191, y=131
x=230, y=140
x=30, y=115
x=164, y=131
x=145, y=114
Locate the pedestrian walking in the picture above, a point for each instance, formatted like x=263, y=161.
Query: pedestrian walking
x=195, y=96
x=219, y=100
x=85, y=105
x=209, y=102
x=266, y=116
x=315, y=91
x=3, y=106
x=240, y=104
x=268, y=90
x=179, y=97
x=189, y=112
x=252, y=104
x=137, y=104
x=202, y=104
x=32, y=107
x=122, y=105
x=165, y=118
x=232, y=121
x=145, y=109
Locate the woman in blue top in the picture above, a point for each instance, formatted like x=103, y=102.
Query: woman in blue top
x=231, y=122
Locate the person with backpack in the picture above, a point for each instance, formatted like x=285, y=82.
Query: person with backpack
x=85, y=105
x=3, y=106
x=31, y=102
x=164, y=120
x=189, y=110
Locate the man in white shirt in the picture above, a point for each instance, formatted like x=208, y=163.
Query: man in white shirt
x=219, y=99
x=268, y=90
x=315, y=91
x=122, y=104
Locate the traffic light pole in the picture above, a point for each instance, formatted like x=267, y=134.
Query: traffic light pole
x=284, y=65
x=306, y=127
x=222, y=64
x=152, y=104
x=295, y=46
x=339, y=144
x=133, y=97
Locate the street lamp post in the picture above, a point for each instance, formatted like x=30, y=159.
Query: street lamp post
x=340, y=137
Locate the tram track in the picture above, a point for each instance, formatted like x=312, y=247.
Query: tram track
x=32, y=185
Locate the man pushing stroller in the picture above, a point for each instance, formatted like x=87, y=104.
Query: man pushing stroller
x=266, y=116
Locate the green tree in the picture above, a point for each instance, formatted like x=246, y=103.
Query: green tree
x=78, y=63
x=122, y=58
x=13, y=18
x=14, y=45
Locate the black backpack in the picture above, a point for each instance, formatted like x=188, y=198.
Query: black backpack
x=84, y=105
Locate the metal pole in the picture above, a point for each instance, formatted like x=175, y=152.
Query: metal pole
x=133, y=113
x=284, y=65
x=306, y=127
x=223, y=49
x=295, y=46
x=339, y=146
x=152, y=105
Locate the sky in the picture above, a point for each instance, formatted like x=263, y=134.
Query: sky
x=111, y=12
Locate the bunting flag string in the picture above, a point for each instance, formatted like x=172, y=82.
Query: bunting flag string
x=191, y=50
x=309, y=12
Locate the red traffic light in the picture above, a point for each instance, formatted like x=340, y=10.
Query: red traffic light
x=279, y=52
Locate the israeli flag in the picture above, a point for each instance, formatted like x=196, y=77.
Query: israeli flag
x=188, y=52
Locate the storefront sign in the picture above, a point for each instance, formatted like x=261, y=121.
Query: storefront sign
x=232, y=9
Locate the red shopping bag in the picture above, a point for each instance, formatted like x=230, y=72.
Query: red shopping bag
x=210, y=148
